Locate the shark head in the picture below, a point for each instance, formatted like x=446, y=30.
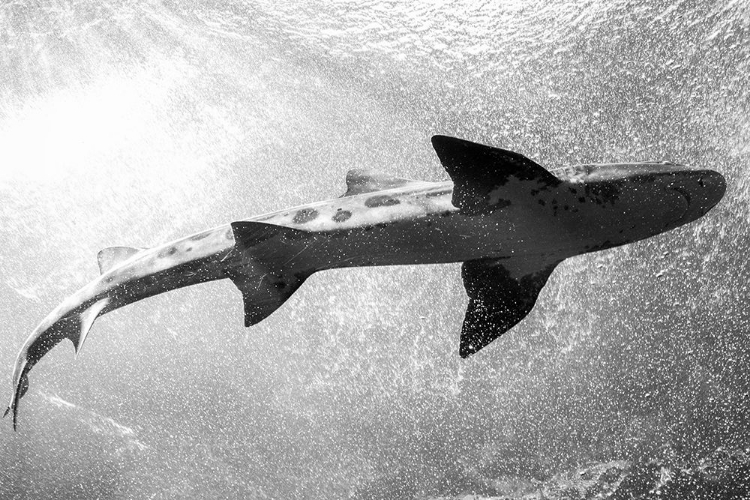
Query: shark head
x=702, y=189
x=665, y=195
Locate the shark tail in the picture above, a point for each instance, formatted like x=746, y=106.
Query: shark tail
x=74, y=325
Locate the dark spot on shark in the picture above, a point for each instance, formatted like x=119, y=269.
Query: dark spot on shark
x=542, y=202
x=501, y=204
x=167, y=252
x=342, y=215
x=582, y=199
x=603, y=191
x=305, y=215
x=382, y=200
x=279, y=284
x=573, y=190
x=445, y=214
x=189, y=249
x=644, y=179
x=566, y=208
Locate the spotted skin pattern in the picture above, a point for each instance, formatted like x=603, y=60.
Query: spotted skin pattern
x=509, y=220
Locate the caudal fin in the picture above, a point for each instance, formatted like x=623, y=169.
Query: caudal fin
x=74, y=326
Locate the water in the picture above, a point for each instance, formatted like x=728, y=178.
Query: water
x=127, y=123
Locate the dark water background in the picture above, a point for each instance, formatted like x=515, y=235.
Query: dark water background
x=134, y=123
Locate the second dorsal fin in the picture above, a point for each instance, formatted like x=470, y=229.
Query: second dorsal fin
x=366, y=181
x=114, y=256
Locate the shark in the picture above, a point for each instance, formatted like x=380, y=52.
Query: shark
x=508, y=220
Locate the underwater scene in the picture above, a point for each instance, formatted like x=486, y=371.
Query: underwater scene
x=134, y=124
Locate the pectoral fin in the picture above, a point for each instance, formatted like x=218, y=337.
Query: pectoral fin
x=501, y=293
x=262, y=295
x=273, y=267
x=87, y=319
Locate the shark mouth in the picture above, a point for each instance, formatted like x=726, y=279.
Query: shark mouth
x=686, y=199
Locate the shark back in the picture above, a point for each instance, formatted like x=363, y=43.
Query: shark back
x=360, y=181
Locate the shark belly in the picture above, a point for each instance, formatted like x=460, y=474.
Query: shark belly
x=447, y=237
x=435, y=239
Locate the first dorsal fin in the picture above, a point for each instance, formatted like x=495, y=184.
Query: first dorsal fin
x=366, y=181
x=113, y=256
x=477, y=170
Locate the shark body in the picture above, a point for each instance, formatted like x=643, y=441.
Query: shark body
x=507, y=219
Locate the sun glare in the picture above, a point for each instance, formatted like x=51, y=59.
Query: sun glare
x=65, y=131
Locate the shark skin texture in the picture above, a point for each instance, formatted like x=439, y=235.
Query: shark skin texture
x=507, y=219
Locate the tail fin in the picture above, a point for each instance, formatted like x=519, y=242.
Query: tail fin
x=75, y=327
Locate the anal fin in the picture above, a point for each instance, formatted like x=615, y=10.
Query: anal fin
x=501, y=293
x=87, y=319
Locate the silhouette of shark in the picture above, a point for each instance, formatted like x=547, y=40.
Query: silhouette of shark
x=506, y=218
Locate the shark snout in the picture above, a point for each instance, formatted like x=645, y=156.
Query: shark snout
x=701, y=189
